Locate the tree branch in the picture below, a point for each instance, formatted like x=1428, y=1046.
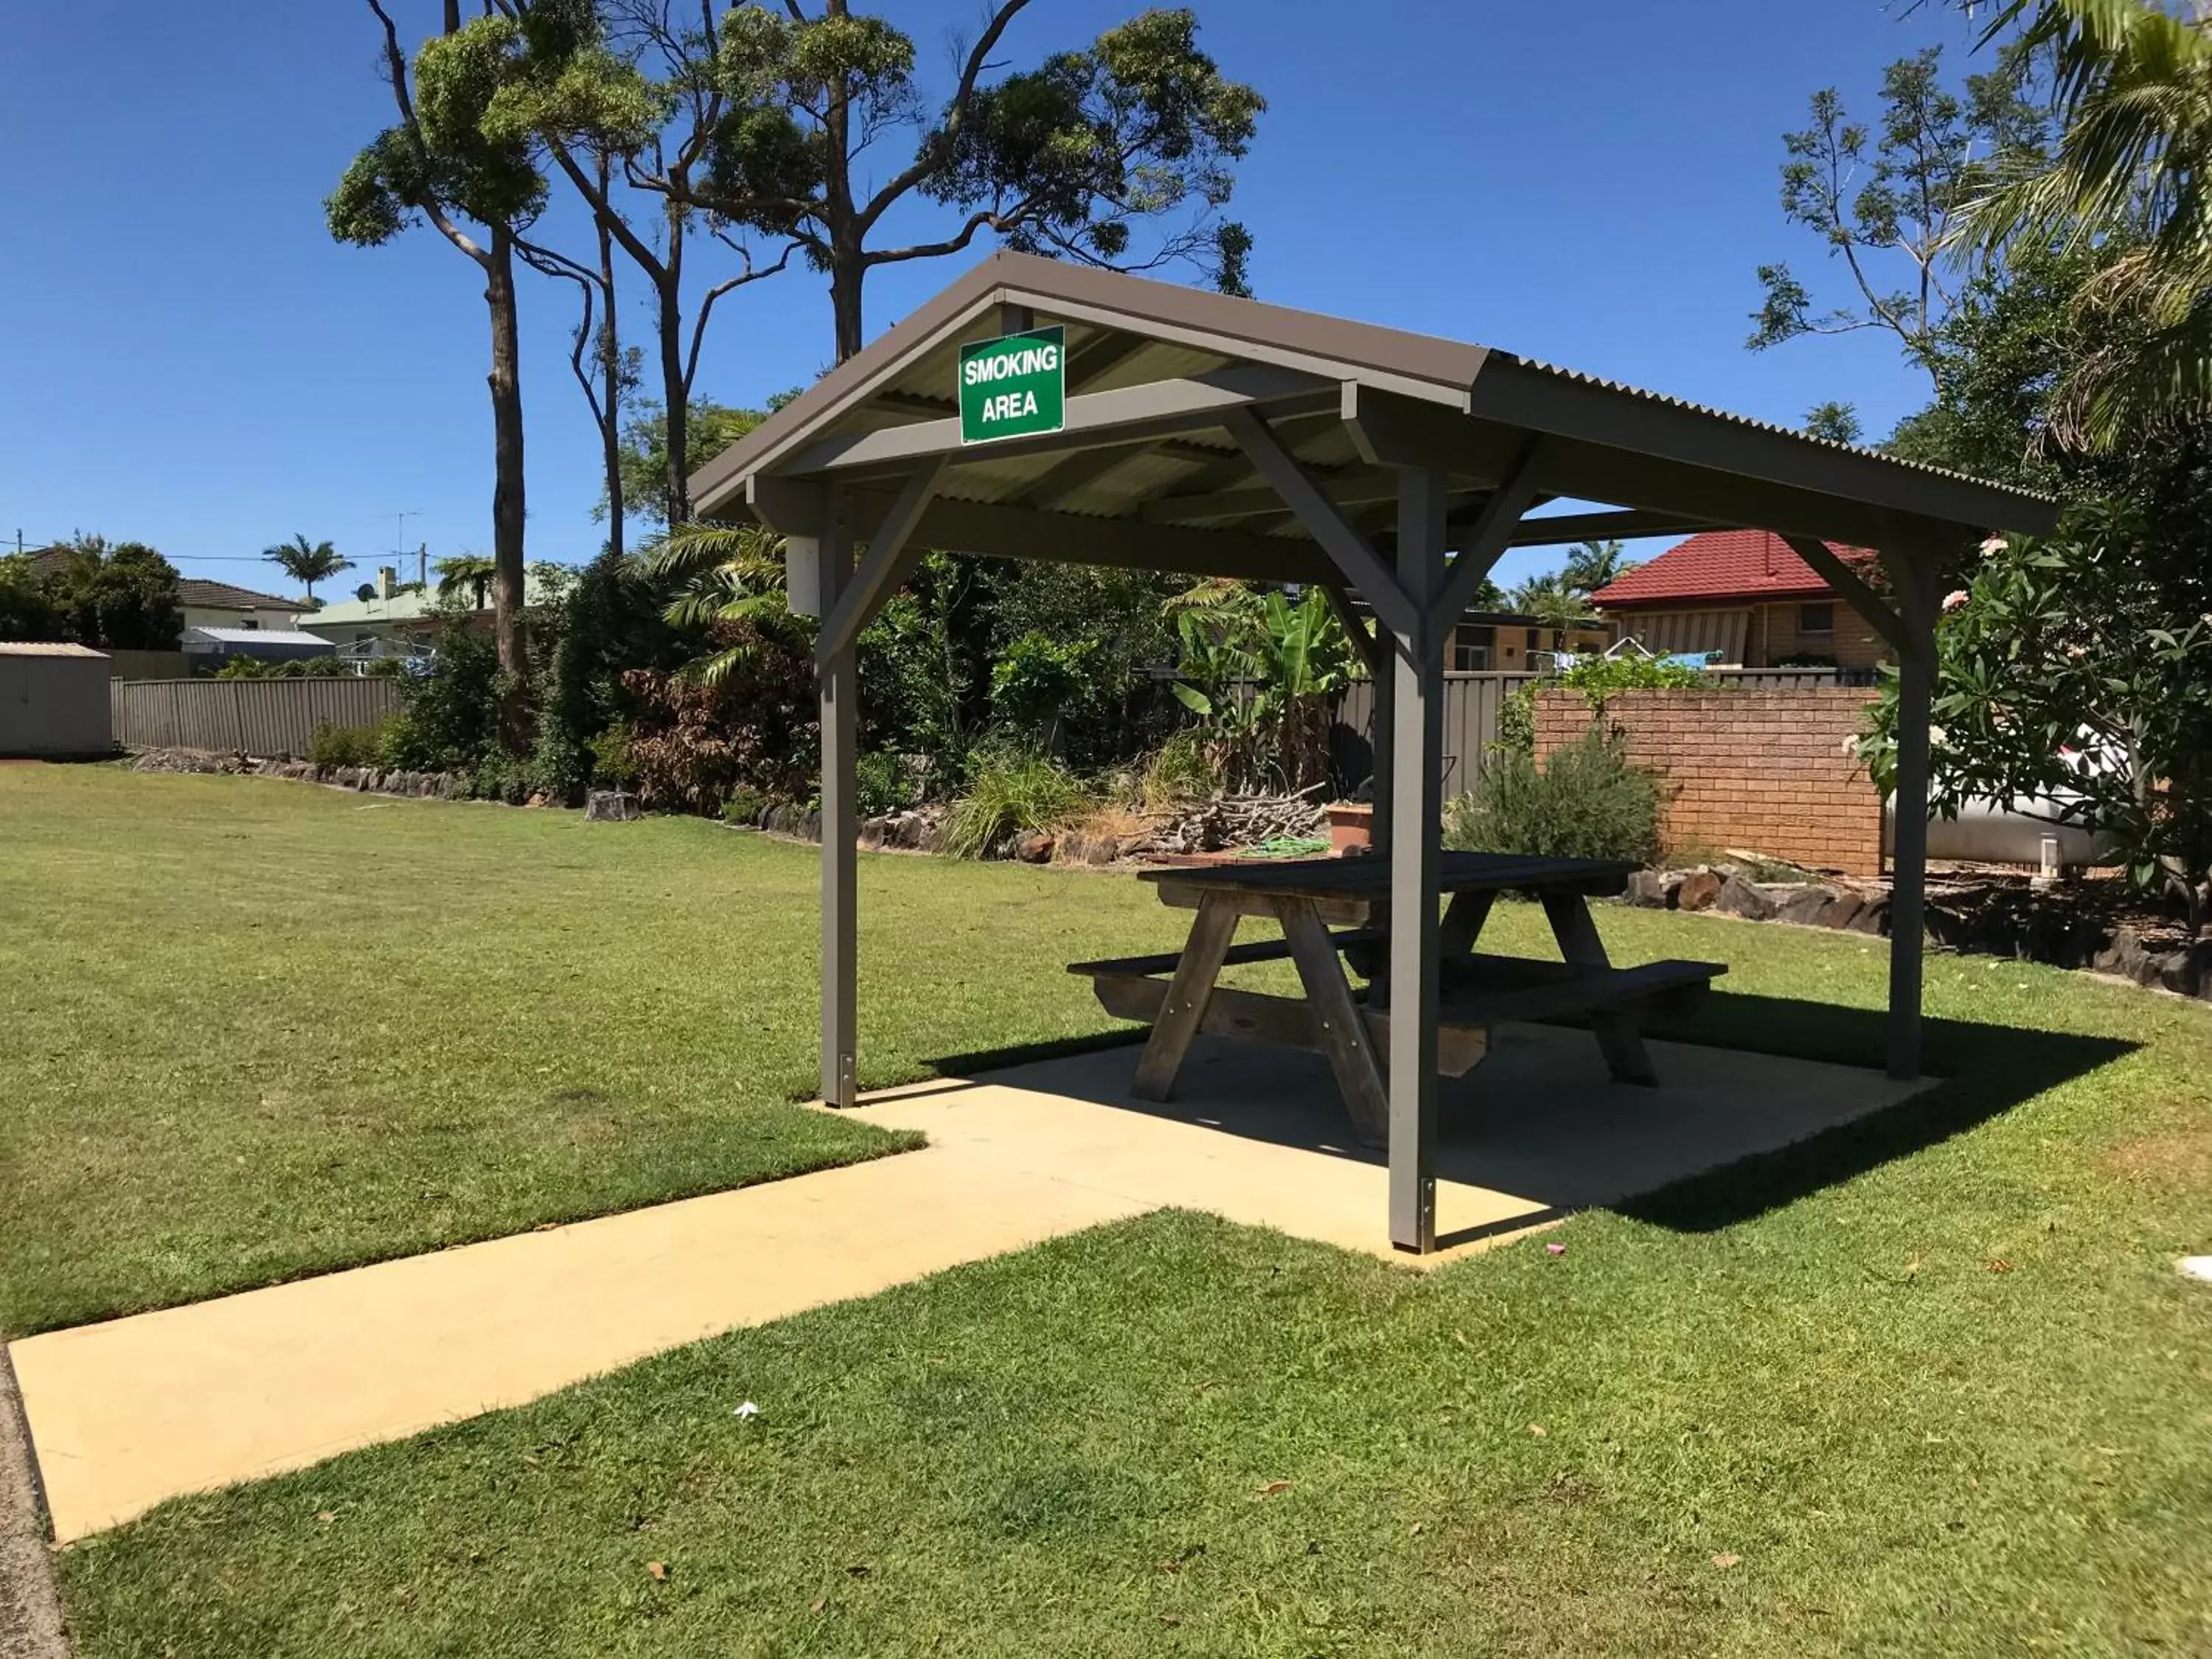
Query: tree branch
x=706, y=302
x=956, y=114
x=396, y=64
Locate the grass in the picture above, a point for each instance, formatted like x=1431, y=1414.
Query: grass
x=1929, y=1385
x=256, y=1030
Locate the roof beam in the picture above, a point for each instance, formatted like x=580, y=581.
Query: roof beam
x=1347, y=547
x=1565, y=527
x=1352, y=488
x=1126, y=415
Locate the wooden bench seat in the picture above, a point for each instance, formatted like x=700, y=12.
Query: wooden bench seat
x=1480, y=992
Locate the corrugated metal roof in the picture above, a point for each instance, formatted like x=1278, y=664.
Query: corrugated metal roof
x=256, y=636
x=47, y=648
x=1667, y=400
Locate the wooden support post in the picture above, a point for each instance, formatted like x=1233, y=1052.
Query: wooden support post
x=1211, y=933
x=1416, y=833
x=1382, y=740
x=837, y=676
x=1908, y=865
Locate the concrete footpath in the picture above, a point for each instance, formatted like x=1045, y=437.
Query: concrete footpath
x=129, y=1412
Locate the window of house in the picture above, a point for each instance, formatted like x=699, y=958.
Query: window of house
x=248, y=622
x=1536, y=640
x=1471, y=647
x=1816, y=619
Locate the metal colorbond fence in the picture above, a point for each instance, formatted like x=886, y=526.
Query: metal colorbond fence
x=1471, y=702
x=260, y=717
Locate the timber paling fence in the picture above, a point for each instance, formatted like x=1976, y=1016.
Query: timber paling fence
x=1474, y=701
x=262, y=718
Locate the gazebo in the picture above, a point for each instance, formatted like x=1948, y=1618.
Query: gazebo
x=1038, y=409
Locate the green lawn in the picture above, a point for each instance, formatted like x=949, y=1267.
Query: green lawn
x=1928, y=1386
x=254, y=1029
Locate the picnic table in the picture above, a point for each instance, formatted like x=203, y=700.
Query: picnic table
x=1178, y=992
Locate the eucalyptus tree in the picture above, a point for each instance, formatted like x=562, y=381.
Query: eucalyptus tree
x=1118, y=154
x=436, y=164
x=627, y=90
x=1886, y=201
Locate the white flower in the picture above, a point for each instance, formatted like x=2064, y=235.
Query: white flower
x=1995, y=544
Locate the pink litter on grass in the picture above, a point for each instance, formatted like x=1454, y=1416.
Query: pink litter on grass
x=1555, y=1249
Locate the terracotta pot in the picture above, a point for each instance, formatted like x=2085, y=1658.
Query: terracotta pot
x=1351, y=826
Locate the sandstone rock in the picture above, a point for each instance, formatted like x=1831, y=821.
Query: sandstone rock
x=872, y=831
x=2189, y=969
x=1653, y=890
x=1699, y=891
x=1744, y=898
x=1804, y=907
x=610, y=806
x=1035, y=847
x=1873, y=916
x=1841, y=910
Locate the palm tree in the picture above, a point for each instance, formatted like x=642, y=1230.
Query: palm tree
x=306, y=562
x=2133, y=81
x=722, y=575
x=464, y=572
x=1552, y=599
x=1594, y=565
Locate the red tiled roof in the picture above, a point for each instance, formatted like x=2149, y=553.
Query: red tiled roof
x=1724, y=564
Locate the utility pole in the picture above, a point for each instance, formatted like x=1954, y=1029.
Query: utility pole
x=399, y=535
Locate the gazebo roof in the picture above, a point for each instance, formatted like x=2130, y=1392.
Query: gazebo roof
x=1149, y=468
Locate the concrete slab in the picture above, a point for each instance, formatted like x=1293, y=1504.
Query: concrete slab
x=129, y=1412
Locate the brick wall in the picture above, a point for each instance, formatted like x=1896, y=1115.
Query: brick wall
x=1852, y=643
x=1768, y=771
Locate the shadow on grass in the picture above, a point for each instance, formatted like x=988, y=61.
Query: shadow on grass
x=1981, y=1072
x=1720, y=1141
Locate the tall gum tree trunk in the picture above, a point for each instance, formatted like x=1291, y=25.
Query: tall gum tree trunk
x=508, y=493
x=675, y=396
x=610, y=378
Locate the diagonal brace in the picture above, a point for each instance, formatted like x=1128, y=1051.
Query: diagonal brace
x=1485, y=540
x=1372, y=652
x=1860, y=598
x=879, y=573
x=1325, y=521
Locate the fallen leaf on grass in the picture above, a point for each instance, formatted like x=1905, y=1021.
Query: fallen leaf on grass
x=1414, y=1531
x=1727, y=1558
x=657, y=1571
x=859, y=1570
x=1538, y=1430
x=818, y=1604
x=1997, y=1264
x=1273, y=1487
x=326, y=1515
x=1170, y=1618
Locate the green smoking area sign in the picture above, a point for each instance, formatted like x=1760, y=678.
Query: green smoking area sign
x=1013, y=387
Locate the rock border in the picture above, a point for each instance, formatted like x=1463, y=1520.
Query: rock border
x=2024, y=931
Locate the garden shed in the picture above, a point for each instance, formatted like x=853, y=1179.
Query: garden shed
x=53, y=701
x=1040, y=409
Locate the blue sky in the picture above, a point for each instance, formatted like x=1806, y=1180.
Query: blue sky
x=193, y=363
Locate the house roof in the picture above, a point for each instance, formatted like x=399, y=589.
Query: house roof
x=258, y=637
x=410, y=605
x=190, y=590
x=1724, y=564
x=1153, y=466
x=229, y=596
x=47, y=648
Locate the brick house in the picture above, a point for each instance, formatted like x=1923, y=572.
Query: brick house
x=1746, y=595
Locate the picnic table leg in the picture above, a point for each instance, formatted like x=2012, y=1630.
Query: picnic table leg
x=1619, y=1038
x=1464, y=921
x=1343, y=1028
x=1199, y=967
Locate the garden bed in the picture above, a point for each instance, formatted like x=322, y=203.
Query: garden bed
x=2096, y=924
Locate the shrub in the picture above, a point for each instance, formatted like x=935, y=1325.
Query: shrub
x=1011, y=792
x=884, y=784
x=1516, y=721
x=612, y=763
x=744, y=805
x=395, y=743
x=1180, y=769
x=345, y=745
x=694, y=744
x=1588, y=800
